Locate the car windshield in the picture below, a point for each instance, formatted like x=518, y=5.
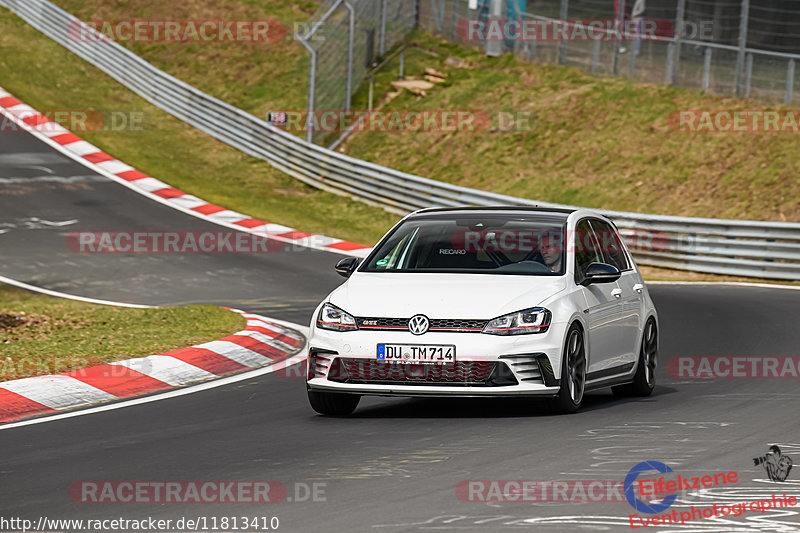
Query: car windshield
x=473, y=244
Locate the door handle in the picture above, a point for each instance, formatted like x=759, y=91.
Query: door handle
x=617, y=293
x=638, y=288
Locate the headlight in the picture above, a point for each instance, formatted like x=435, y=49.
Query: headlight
x=333, y=318
x=535, y=320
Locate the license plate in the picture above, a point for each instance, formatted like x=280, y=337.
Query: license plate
x=417, y=353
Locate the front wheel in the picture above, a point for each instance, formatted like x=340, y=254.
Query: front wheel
x=333, y=403
x=644, y=381
x=573, y=372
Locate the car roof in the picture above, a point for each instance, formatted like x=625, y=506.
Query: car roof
x=528, y=211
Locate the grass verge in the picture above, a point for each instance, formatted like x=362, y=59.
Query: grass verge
x=43, y=335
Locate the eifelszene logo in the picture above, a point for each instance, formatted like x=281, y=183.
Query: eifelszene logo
x=777, y=465
x=657, y=494
x=630, y=485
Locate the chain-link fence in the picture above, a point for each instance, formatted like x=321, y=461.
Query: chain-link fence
x=729, y=47
x=344, y=38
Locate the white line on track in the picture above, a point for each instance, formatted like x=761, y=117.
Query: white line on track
x=21, y=285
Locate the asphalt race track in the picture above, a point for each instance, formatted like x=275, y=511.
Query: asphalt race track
x=395, y=465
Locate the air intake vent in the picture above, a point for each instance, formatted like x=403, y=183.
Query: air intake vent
x=526, y=367
x=371, y=371
x=319, y=364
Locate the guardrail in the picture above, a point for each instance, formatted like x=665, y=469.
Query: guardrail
x=733, y=247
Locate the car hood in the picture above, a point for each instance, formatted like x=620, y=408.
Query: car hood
x=475, y=296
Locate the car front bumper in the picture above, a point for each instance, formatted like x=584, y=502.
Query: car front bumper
x=533, y=361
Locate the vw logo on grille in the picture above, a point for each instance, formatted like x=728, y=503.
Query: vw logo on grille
x=418, y=324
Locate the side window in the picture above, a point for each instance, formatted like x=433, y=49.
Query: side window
x=610, y=244
x=587, y=249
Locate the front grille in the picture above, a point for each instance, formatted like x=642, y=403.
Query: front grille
x=382, y=324
x=466, y=373
x=455, y=325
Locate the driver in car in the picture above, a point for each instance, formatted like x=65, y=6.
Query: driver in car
x=550, y=249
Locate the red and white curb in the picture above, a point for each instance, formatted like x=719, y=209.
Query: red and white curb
x=28, y=119
x=262, y=343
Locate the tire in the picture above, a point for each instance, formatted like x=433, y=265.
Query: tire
x=333, y=403
x=573, y=372
x=644, y=381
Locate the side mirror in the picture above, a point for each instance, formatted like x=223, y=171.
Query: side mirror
x=600, y=273
x=347, y=266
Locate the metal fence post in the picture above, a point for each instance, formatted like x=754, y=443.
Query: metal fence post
x=670, y=59
x=596, y=56
x=438, y=14
x=748, y=74
x=401, y=72
x=383, y=28
x=562, y=46
x=350, y=47
x=619, y=18
x=632, y=62
x=789, y=83
x=454, y=19
x=676, y=53
x=529, y=49
x=494, y=48
x=312, y=85
x=371, y=91
x=707, y=69
x=740, y=58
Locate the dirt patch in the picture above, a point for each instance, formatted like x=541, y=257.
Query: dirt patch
x=35, y=326
x=10, y=321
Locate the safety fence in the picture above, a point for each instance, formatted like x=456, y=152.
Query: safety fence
x=727, y=47
x=343, y=39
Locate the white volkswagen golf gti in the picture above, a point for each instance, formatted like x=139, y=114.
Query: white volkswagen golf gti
x=486, y=302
